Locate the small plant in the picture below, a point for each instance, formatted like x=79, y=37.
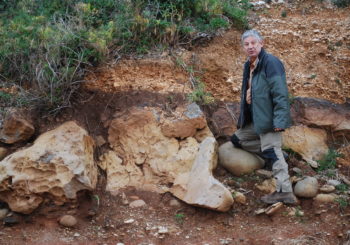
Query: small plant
x=200, y=96
x=291, y=99
x=342, y=187
x=284, y=14
x=313, y=76
x=329, y=161
x=179, y=218
x=298, y=212
x=343, y=202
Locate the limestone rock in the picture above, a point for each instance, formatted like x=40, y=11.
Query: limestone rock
x=199, y=187
x=145, y=158
x=68, y=221
x=238, y=161
x=186, y=126
x=325, y=198
x=327, y=188
x=239, y=197
x=3, y=153
x=310, y=143
x=15, y=128
x=59, y=163
x=307, y=187
x=322, y=113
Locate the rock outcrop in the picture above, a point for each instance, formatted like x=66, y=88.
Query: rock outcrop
x=15, y=128
x=150, y=149
x=322, y=113
x=199, y=187
x=58, y=165
x=310, y=143
x=238, y=161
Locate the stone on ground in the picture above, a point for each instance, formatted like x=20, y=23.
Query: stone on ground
x=307, y=187
x=58, y=165
x=137, y=203
x=238, y=161
x=68, y=221
x=325, y=198
x=199, y=187
x=15, y=128
x=268, y=186
x=310, y=143
x=327, y=188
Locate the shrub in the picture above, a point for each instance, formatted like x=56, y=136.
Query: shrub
x=329, y=161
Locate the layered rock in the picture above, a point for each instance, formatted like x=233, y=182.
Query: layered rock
x=310, y=143
x=151, y=148
x=238, y=161
x=58, y=165
x=322, y=113
x=199, y=187
x=15, y=128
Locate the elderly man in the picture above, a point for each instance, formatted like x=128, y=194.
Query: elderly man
x=264, y=113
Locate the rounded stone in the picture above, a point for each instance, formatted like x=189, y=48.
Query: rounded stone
x=327, y=188
x=325, y=198
x=137, y=203
x=307, y=187
x=238, y=161
x=68, y=220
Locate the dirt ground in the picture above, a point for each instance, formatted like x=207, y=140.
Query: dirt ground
x=312, y=40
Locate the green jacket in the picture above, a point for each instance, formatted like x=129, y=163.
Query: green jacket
x=270, y=104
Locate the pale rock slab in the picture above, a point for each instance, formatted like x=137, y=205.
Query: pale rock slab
x=15, y=128
x=149, y=150
x=310, y=143
x=198, y=187
x=238, y=161
x=267, y=186
x=307, y=187
x=59, y=163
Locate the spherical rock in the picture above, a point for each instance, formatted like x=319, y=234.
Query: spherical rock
x=306, y=187
x=68, y=220
x=238, y=161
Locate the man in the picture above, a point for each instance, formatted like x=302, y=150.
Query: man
x=264, y=113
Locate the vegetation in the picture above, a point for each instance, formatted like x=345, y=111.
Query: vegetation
x=341, y=3
x=46, y=46
x=179, y=218
x=329, y=161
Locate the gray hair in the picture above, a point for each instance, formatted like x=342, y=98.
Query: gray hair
x=252, y=33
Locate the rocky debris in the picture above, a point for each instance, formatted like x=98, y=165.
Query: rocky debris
x=325, y=198
x=68, y=221
x=327, y=188
x=267, y=186
x=199, y=187
x=129, y=221
x=3, y=213
x=274, y=208
x=137, y=204
x=145, y=158
x=322, y=114
x=263, y=173
x=295, y=212
x=58, y=165
x=297, y=170
x=344, y=179
x=271, y=210
x=239, y=197
x=310, y=143
x=3, y=153
x=15, y=128
x=238, y=161
x=345, y=156
x=307, y=187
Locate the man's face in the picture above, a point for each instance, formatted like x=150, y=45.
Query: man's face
x=252, y=46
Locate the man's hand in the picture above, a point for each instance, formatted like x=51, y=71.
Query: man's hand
x=278, y=129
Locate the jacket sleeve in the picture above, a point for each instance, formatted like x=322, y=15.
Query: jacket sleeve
x=276, y=77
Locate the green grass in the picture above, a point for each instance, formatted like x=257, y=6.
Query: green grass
x=47, y=46
x=179, y=218
x=328, y=161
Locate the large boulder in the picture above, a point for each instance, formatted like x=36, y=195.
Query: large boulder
x=58, y=165
x=307, y=187
x=322, y=113
x=199, y=187
x=238, y=161
x=15, y=128
x=310, y=143
x=148, y=151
